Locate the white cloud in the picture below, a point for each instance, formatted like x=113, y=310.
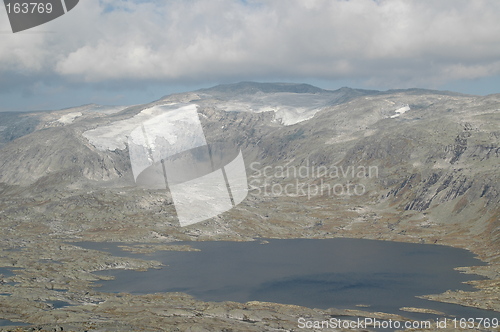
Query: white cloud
x=396, y=42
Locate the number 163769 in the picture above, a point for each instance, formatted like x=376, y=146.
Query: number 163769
x=29, y=8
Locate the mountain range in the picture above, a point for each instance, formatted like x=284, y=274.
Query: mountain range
x=66, y=175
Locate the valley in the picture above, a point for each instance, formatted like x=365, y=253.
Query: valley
x=65, y=176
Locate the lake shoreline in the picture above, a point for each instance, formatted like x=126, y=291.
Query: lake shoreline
x=71, y=281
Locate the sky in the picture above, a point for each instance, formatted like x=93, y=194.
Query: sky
x=125, y=52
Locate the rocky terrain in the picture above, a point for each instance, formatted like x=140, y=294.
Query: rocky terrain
x=402, y=165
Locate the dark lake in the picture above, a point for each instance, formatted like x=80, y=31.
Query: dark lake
x=317, y=273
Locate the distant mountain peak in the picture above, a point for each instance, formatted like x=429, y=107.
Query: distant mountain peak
x=255, y=87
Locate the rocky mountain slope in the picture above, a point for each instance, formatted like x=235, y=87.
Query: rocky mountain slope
x=440, y=155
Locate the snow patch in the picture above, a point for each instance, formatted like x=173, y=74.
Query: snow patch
x=103, y=109
x=289, y=108
x=292, y=116
x=69, y=118
x=286, y=115
x=115, y=135
x=2, y=128
x=400, y=111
